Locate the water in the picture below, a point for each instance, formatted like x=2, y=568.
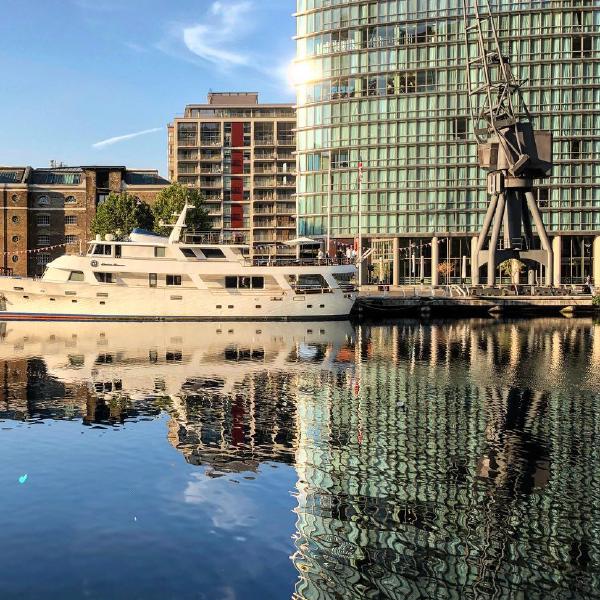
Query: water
x=318, y=461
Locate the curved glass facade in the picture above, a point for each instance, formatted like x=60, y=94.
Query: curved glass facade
x=384, y=82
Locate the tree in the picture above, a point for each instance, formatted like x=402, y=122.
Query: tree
x=446, y=269
x=512, y=268
x=169, y=204
x=119, y=214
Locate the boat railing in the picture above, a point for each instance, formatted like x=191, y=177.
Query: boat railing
x=300, y=262
x=215, y=238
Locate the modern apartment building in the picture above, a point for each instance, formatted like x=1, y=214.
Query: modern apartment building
x=240, y=154
x=47, y=212
x=383, y=83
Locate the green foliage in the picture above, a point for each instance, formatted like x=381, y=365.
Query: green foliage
x=121, y=213
x=169, y=204
x=511, y=267
x=596, y=300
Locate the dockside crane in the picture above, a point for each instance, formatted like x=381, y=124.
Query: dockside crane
x=509, y=149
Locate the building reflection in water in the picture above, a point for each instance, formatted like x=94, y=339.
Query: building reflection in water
x=448, y=460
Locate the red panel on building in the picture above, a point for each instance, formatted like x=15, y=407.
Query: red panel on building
x=237, y=135
x=237, y=189
x=237, y=216
x=237, y=161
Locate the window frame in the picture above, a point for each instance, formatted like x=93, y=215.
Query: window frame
x=175, y=280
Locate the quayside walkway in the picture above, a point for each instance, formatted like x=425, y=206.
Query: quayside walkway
x=457, y=300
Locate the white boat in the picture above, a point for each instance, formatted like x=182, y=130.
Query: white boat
x=151, y=277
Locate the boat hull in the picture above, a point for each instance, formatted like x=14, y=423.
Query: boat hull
x=45, y=301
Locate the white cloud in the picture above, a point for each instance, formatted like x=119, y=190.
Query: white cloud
x=228, y=509
x=214, y=38
x=122, y=138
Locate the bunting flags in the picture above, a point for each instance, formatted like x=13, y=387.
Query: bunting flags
x=409, y=249
x=36, y=250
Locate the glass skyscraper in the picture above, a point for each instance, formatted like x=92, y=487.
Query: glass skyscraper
x=383, y=83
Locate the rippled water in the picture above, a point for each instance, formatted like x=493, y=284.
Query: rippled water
x=316, y=460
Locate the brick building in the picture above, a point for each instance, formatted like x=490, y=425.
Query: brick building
x=45, y=212
x=240, y=154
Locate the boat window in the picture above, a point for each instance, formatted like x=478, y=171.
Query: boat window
x=159, y=251
x=76, y=276
x=102, y=249
x=173, y=279
x=316, y=281
x=105, y=277
x=213, y=253
x=117, y=251
x=152, y=279
x=188, y=253
x=244, y=283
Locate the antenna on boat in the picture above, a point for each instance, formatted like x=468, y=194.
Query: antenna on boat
x=180, y=225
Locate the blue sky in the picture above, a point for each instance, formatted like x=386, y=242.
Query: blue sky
x=76, y=73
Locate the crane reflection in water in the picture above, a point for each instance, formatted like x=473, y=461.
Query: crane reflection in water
x=432, y=459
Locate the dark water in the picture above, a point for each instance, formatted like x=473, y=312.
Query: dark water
x=318, y=461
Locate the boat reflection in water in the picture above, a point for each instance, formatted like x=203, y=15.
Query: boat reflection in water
x=438, y=460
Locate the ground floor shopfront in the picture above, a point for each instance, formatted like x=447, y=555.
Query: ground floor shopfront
x=442, y=259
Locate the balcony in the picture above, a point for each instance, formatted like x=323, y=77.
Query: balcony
x=264, y=210
x=204, y=170
x=287, y=140
x=187, y=157
x=264, y=237
x=264, y=171
x=264, y=156
x=211, y=183
x=286, y=211
x=264, y=182
x=290, y=169
x=187, y=170
x=282, y=155
x=262, y=222
x=286, y=222
x=210, y=142
x=286, y=182
x=264, y=141
x=187, y=142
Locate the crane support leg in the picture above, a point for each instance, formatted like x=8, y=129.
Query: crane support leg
x=527, y=228
x=500, y=208
x=539, y=224
x=489, y=217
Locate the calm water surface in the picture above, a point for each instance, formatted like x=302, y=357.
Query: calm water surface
x=318, y=461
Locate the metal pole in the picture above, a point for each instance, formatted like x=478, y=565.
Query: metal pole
x=329, y=186
x=359, y=252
